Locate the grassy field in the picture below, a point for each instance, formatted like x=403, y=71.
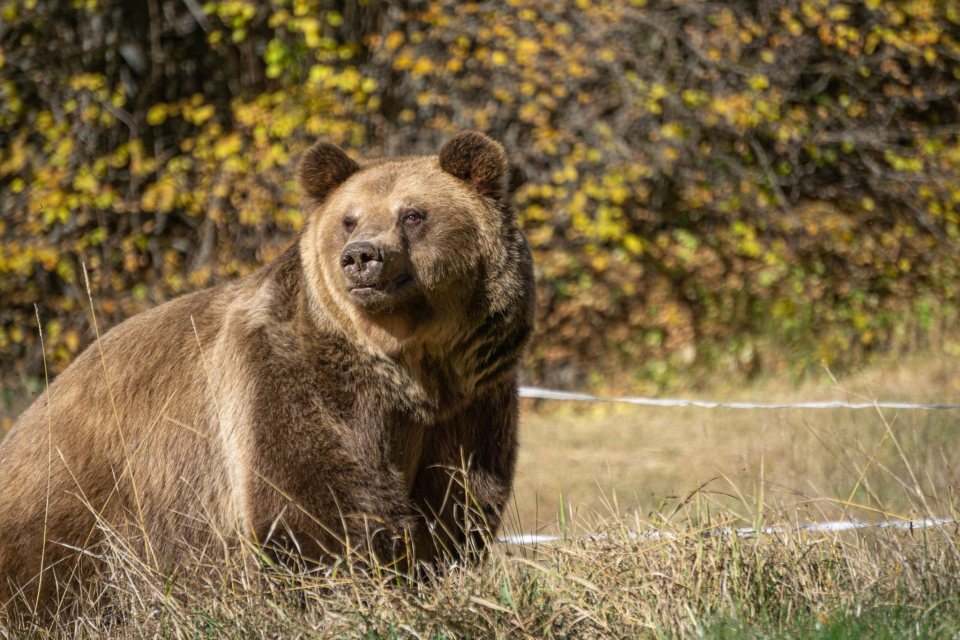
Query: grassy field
x=617, y=459
x=647, y=501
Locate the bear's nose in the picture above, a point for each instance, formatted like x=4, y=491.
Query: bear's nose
x=359, y=253
x=361, y=261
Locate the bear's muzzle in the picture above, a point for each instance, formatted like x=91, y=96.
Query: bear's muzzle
x=372, y=273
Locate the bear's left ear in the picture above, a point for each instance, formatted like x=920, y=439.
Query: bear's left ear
x=323, y=168
x=474, y=157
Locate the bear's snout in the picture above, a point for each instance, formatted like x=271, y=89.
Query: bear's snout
x=375, y=273
x=361, y=262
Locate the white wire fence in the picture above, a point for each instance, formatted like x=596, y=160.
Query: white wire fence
x=549, y=394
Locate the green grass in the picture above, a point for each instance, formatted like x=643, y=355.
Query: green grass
x=877, y=622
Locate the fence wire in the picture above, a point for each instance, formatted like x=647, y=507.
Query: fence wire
x=825, y=527
x=549, y=394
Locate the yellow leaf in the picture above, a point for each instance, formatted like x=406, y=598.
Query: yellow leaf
x=394, y=41
x=759, y=82
x=157, y=115
x=201, y=115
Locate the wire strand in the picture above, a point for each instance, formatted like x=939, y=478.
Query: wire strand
x=549, y=394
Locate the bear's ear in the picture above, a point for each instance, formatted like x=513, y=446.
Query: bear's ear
x=323, y=168
x=474, y=157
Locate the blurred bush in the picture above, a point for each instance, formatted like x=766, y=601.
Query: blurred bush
x=708, y=185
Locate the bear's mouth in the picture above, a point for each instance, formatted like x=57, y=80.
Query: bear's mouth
x=394, y=285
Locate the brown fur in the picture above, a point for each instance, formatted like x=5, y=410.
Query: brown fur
x=287, y=407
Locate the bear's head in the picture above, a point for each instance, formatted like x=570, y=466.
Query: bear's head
x=414, y=249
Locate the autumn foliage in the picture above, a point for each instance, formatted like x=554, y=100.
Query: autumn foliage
x=704, y=185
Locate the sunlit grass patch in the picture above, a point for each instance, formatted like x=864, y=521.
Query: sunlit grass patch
x=617, y=459
x=881, y=622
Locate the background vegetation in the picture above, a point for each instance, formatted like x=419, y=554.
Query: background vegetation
x=735, y=186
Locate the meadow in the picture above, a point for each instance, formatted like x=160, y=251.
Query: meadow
x=614, y=459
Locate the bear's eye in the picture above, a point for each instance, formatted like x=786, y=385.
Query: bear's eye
x=349, y=224
x=412, y=217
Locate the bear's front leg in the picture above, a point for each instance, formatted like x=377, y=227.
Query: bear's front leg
x=466, y=475
x=327, y=493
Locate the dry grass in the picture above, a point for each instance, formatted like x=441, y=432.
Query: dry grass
x=620, y=459
x=672, y=580
x=635, y=561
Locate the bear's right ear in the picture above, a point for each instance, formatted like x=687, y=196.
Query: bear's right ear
x=323, y=168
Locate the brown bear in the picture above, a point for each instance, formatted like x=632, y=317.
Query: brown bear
x=318, y=404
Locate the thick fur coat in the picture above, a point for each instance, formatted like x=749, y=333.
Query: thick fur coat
x=320, y=405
